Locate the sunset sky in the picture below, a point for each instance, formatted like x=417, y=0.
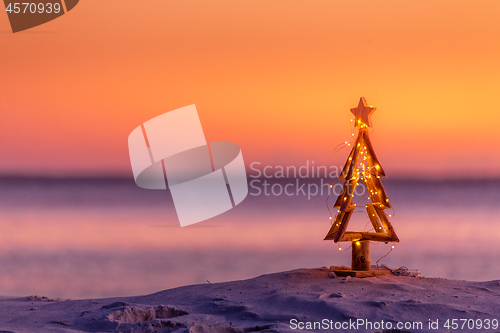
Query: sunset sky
x=276, y=77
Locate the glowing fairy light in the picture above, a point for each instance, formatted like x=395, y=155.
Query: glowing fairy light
x=362, y=168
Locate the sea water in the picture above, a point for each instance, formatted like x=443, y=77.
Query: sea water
x=101, y=237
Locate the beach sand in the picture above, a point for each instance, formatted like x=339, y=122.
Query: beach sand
x=280, y=302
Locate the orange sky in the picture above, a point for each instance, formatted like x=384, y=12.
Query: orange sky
x=276, y=77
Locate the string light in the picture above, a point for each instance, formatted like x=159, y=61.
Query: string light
x=384, y=255
x=363, y=172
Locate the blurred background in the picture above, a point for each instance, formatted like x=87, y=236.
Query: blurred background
x=277, y=78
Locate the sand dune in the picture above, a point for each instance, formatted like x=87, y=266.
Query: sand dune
x=280, y=302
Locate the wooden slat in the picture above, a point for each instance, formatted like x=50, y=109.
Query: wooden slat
x=343, y=224
x=349, y=188
x=377, y=192
x=351, y=236
x=372, y=215
x=345, y=271
x=347, y=192
x=372, y=190
x=335, y=226
x=358, y=145
x=373, y=160
x=377, y=237
x=345, y=170
x=387, y=224
x=381, y=191
x=338, y=202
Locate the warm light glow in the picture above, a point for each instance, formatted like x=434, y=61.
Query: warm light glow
x=357, y=243
x=296, y=60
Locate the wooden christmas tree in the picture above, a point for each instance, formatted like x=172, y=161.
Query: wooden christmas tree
x=362, y=166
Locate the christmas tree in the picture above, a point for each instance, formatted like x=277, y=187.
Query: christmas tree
x=362, y=167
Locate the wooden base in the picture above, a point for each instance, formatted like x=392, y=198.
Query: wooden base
x=345, y=271
x=361, y=255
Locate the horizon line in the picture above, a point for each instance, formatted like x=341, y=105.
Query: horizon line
x=124, y=177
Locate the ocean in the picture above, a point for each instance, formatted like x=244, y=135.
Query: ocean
x=102, y=237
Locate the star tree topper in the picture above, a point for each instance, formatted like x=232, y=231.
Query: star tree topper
x=363, y=113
